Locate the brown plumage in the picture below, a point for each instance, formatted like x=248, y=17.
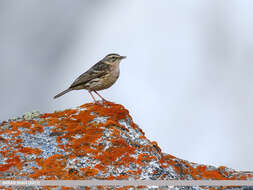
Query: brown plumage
x=99, y=77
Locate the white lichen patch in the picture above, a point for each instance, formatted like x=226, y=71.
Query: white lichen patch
x=31, y=115
x=43, y=141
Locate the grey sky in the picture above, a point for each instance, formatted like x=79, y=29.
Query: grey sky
x=187, y=79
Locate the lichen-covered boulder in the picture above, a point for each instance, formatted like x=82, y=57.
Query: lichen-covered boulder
x=91, y=142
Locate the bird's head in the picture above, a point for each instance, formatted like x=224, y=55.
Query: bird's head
x=113, y=58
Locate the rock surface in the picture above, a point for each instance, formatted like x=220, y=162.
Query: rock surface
x=91, y=142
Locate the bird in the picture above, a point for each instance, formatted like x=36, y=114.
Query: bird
x=100, y=76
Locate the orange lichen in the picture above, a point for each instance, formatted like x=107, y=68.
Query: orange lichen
x=5, y=167
x=36, y=127
x=5, y=188
x=107, y=143
x=200, y=171
x=144, y=159
x=155, y=145
x=118, y=149
x=79, y=123
x=17, y=124
x=88, y=172
x=53, y=167
x=10, y=162
x=114, y=111
x=28, y=150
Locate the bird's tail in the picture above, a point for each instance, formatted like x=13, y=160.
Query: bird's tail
x=62, y=93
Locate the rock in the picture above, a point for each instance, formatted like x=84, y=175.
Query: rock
x=91, y=142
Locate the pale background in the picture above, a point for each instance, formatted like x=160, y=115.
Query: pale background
x=187, y=80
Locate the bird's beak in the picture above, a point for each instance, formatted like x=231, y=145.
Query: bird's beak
x=123, y=57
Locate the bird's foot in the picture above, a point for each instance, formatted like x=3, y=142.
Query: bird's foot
x=98, y=103
x=104, y=101
x=101, y=102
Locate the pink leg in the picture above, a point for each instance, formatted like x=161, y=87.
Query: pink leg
x=104, y=100
x=92, y=97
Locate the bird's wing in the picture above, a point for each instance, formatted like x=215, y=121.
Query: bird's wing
x=98, y=70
